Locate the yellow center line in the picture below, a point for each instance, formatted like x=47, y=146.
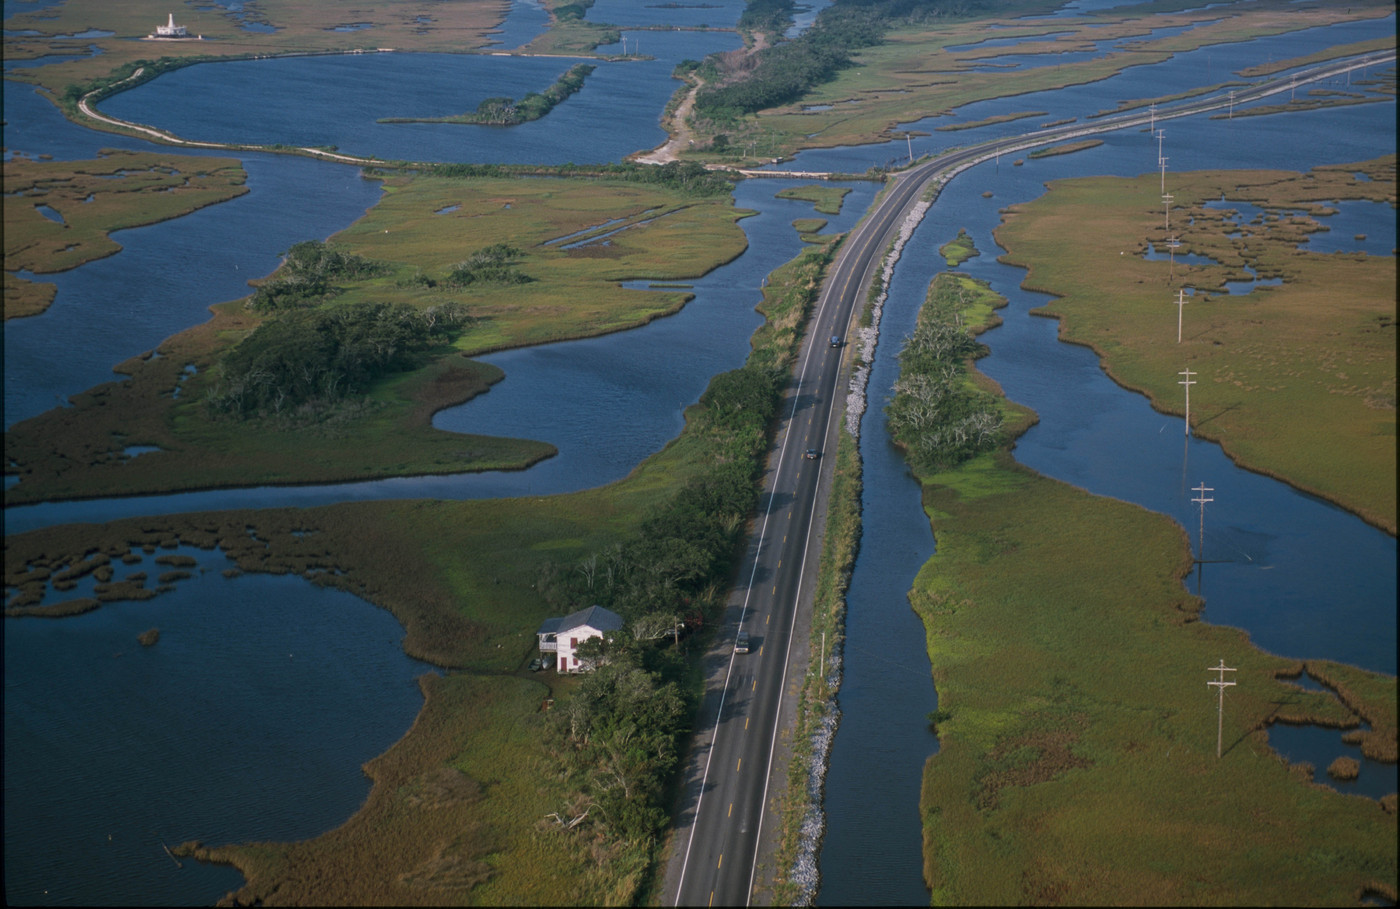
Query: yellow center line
x=731, y=809
x=721, y=860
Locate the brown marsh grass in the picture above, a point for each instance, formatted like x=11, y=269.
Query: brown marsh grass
x=1296, y=381
x=78, y=452
x=301, y=26
x=121, y=189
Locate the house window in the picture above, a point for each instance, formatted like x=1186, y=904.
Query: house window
x=573, y=643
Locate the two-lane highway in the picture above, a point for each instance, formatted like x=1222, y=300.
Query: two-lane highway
x=725, y=798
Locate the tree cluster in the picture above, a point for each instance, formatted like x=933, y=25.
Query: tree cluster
x=620, y=732
x=771, y=17
x=508, y=111
x=320, y=356
x=936, y=415
x=493, y=265
x=786, y=71
x=306, y=275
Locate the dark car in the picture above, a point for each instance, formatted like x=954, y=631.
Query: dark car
x=835, y=340
x=741, y=642
x=812, y=454
x=536, y=664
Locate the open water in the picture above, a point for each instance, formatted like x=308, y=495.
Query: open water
x=1089, y=429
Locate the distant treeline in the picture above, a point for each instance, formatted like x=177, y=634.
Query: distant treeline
x=502, y=111
x=785, y=72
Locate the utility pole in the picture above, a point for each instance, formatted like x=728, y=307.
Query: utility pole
x=910, y=143
x=1152, y=122
x=1188, y=383
x=1172, y=244
x=1162, y=162
x=1220, y=685
x=1167, y=203
x=1232, y=104
x=1202, y=499
x=1180, y=303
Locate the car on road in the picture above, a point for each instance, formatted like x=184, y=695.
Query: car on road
x=812, y=454
x=835, y=340
x=741, y=642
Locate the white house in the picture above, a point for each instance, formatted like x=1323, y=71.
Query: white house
x=562, y=636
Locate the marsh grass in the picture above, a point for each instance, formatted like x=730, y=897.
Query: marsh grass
x=461, y=808
x=959, y=249
x=1297, y=381
x=1065, y=149
x=77, y=452
x=912, y=74
x=825, y=198
x=1076, y=757
x=118, y=190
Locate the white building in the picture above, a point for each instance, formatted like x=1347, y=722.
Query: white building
x=171, y=30
x=562, y=636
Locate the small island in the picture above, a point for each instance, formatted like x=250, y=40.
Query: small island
x=508, y=111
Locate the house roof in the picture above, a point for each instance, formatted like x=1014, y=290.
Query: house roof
x=593, y=617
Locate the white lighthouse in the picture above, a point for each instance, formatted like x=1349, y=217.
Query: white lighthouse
x=171, y=30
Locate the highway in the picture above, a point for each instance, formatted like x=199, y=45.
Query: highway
x=725, y=814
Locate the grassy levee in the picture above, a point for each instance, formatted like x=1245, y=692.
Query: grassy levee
x=461, y=808
x=121, y=189
x=1077, y=738
x=421, y=229
x=1296, y=381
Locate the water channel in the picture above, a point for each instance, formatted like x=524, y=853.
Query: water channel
x=1089, y=428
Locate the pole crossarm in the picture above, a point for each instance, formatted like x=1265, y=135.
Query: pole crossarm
x=1220, y=685
x=1187, y=382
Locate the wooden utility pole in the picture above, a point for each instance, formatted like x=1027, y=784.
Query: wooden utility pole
x=1180, y=302
x=1167, y=200
x=1188, y=383
x=1220, y=685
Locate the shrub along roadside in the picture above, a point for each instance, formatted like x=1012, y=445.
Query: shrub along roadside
x=620, y=735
